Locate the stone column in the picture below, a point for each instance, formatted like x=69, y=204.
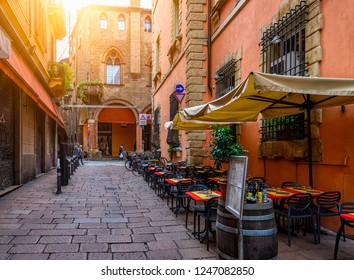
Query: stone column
x=93, y=140
x=196, y=54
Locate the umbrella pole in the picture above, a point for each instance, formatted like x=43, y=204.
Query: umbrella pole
x=309, y=142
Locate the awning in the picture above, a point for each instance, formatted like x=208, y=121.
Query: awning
x=180, y=123
x=23, y=76
x=272, y=96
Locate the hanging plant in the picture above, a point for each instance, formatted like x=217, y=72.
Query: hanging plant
x=62, y=70
x=82, y=89
x=223, y=145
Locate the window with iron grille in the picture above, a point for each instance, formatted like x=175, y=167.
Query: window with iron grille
x=172, y=136
x=283, y=128
x=225, y=78
x=283, y=52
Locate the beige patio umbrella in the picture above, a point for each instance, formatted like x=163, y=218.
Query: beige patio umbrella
x=273, y=96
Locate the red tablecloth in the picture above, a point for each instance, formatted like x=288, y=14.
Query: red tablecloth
x=203, y=195
x=174, y=181
x=348, y=216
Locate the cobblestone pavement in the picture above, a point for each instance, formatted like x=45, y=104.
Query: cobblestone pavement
x=107, y=213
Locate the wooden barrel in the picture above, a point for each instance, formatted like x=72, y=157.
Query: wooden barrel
x=260, y=240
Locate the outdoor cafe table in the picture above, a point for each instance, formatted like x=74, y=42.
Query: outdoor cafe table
x=203, y=196
x=200, y=196
x=284, y=193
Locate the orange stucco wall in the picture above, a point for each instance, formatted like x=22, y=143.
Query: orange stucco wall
x=124, y=136
x=170, y=79
x=336, y=171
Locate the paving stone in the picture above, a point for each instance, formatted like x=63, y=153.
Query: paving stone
x=84, y=239
x=123, y=238
x=93, y=225
x=171, y=236
x=5, y=248
x=178, y=228
x=10, y=226
x=55, y=239
x=61, y=248
x=196, y=253
x=100, y=256
x=129, y=256
x=31, y=239
x=5, y=239
x=30, y=257
x=68, y=256
x=37, y=226
x=143, y=230
x=95, y=247
x=132, y=247
x=114, y=220
x=119, y=231
x=27, y=248
x=170, y=254
x=98, y=231
x=159, y=245
x=5, y=256
x=59, y=232
x=87, y=220
x=143, y=237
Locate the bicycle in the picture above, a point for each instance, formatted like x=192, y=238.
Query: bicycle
x=129, y=162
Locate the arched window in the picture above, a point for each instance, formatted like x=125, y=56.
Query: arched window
x=147, y=25
x=103, y=22
x=113, y=69
x=121, y=23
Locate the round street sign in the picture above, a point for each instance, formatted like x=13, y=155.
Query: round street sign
x=179, y=88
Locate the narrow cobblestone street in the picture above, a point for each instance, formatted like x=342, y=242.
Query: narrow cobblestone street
x=106, y=213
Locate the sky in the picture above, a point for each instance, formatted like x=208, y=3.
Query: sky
x=72, y=6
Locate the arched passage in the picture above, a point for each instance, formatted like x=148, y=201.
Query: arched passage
x=116, y=126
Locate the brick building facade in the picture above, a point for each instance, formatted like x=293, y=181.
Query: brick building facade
x=110, y=52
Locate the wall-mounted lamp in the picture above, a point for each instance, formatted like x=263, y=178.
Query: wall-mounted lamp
x=123, y=125
x=218, y=76
x=276, y=40
x=343, y=108
x=32, y=50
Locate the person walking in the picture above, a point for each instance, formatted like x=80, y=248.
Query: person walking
x=81, y=155
x=121, y=152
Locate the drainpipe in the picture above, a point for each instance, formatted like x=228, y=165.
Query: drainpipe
x=209, y=49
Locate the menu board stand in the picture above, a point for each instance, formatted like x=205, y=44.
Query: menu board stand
x=235, y=193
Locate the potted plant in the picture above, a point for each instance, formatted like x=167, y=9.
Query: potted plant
x=223, y=145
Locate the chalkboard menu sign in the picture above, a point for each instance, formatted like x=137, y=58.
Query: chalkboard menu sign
x=236, y=185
